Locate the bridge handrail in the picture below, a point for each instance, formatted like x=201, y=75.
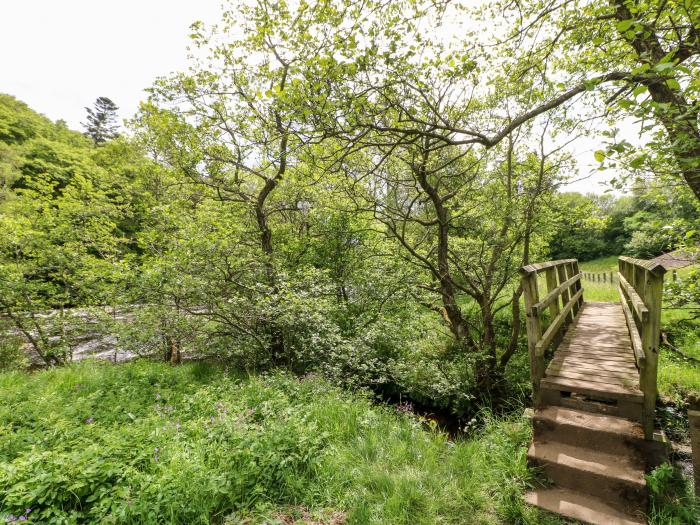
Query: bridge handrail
x=641, y=288
x=631, y=295
x=637, y=348
x=556, y=324
x=563, y=280
x=552, y=296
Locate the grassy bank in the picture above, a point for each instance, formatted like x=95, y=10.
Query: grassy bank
x=146, y=443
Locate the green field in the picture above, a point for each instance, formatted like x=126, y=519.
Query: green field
x=604, y=264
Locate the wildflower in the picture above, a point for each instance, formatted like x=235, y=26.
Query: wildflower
x=89, y=420
x=405, y=408
x=177, y=426
x=27, y=510
x=22, y=518
x=11, y=518
x=157, y=395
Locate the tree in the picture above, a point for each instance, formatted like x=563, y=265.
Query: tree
x=626, y=59
x=462, y=215
x=60, y=229
x=102, y=123
x=233, y=126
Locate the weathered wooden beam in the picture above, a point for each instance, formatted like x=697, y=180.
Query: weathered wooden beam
x=538, y=267
x=637, y=302
x=650, y=265
x=534, y=332
x=639, y=356
x=694, y=427
x=650, y=332
x=565, y=294
x=574, y=269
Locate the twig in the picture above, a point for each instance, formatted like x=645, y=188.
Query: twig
x=664, y=339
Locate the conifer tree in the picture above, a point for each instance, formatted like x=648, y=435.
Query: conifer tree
x=101, y=123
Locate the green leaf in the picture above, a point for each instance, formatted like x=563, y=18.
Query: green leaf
x=624, y=25
x=673, y=83
x=599, y=155
x=664, y=66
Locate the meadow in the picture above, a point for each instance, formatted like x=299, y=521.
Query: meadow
x=144, y=442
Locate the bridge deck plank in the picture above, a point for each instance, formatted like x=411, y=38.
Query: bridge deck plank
x=596, y=353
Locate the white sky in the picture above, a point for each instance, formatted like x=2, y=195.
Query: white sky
x=58, y=56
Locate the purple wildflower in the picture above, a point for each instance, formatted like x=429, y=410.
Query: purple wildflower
x=405, y=407
x=89, y=420
x=11, y=518
x=22, y=518
x=156, y=458
x=27, y=510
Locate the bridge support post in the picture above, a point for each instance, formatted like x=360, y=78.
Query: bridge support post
x=652, y=294
x=694, y=425
x=534, y=333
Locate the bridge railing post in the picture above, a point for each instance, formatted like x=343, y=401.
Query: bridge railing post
x=534, y=333
x=652, y=294
x=577, y=286
x=646, y=278
x=564, y=274
x=563, y=300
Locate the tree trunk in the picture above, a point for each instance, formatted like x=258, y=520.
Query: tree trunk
x=679, y=118
x=174, y=352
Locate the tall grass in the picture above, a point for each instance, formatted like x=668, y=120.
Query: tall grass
x=602, y=264
x=147, y=443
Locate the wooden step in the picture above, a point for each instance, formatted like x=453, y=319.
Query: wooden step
x=581, y=507
x=619, y=479
x=615, y=399
x=610, y=434
x=612, y=390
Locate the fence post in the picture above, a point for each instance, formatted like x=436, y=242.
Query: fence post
x=534, y=333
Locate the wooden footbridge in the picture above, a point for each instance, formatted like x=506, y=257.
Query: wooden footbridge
x=593, y=368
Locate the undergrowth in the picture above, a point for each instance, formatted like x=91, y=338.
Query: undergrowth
x=147, y=443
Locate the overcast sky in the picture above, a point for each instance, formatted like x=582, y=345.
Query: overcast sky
x=58, y=56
